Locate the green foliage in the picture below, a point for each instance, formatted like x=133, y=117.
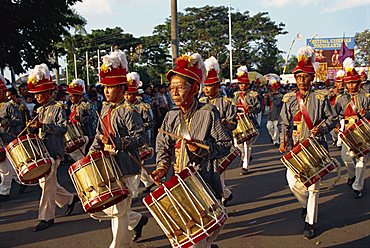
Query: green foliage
x=205, y=30
x=31, y=29
x=362, y=41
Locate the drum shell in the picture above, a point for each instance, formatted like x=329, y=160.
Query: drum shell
x=357, y=138
x=310, y=161
x=98, y=181
x=245, y=129
x=29, y=158
x=73, y=138
x=207, y=203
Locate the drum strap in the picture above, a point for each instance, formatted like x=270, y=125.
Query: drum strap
x=352, y=103
x=242, y=102
x=304, y=111
x=107, y=127
x=73, y=114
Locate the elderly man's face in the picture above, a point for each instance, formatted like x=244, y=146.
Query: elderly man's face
x=180, y=89
x=304, y=80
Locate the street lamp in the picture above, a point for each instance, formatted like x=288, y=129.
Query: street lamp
x=135, y=55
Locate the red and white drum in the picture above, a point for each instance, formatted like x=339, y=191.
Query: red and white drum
x=309, y=161
x=357, y=138
x=226, y=161
x=185, y=208
x=73, y=138
x=98, y=181
x=29, y=158
x=245, y=129
x=146, y=152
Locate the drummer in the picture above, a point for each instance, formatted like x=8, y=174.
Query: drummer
x=134, y=101
x=197, y=122
x=247, y=103
x=10, y=127
x=120, y=131
x=224, y=105
x=51, y=126
x=80, y=109
x=314, y=108
x=351, y=107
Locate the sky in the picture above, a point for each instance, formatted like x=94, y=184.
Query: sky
x=320, y=18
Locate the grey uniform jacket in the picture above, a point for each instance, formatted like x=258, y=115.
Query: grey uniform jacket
x=86, y=117
x=9, y=115
x=128, y=128
x=250, y=99
x=227, y=110
x=54, y=126
x=361, y=101
x=275, y=107
x=203, y=124
x=318, y=108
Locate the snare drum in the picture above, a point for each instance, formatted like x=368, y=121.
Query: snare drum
x=185, y=208
x=357, y=138
x=98, y=181
x=29, y=158
x=309, y=161
x=73, y=138
x=245, y=129
x=226, y=161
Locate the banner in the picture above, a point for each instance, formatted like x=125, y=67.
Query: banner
x=327, y=49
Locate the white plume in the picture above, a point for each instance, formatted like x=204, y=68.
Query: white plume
x=306, y=53
x=339, y=74
x=212, y=64
x=198, y=60
x=116, y=59
x=133, y=76
x=242, y=70
x=348, y=64
x=40, y=72
x=79, y=82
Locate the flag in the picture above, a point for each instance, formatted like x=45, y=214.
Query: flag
x=344, y=52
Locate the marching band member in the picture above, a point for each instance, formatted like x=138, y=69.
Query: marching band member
x=120, y=130
x=305, y=109
x=248, y=103
x=273, y=98
x=10, y=127
x=51, y=125
x=365, y=84
x=351, y=107
x=224, y=105
x=80, y=114
x=132, y=99
x=196, y=122
x=334, y=94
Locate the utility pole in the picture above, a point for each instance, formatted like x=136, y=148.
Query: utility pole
x=230, y=44
x=174, y=31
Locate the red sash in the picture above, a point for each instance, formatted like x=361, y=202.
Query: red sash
x=107, y=125
x=242, y=104
x=304, y=111
x=72, y=115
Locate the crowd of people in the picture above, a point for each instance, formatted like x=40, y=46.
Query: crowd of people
x=194, y=120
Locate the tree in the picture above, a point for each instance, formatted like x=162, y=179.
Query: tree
x=362, y=41
x=205, y=30
x=31, y=29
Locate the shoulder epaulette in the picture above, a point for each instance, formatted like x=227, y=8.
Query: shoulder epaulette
x=144, y=106
x=105, y=103
x=61, y=105
x=253, y=93
x=287, y=96
x=367, y=94
x=230, y=100
x=203, y=99
x=320, y=95
x=207, y=107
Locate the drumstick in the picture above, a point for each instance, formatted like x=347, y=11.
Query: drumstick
x=144, y=168
x=27, y=125
x=182, y=138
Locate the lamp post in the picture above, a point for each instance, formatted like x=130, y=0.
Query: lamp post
x=134, y=55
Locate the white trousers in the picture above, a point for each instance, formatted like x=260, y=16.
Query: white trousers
x=308, y=198
x=123, y=218
x=272, y=127
x=245, y=149
x=145, y=178
x=355, y=167
x=7, y=174
x=52, y=194
x=259, y=118
x=226, y=190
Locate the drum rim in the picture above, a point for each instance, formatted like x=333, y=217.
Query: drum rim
x=85, y=160
x=87, y=205
x=18, y=140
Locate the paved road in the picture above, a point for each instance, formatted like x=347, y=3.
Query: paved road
x=263, y=213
